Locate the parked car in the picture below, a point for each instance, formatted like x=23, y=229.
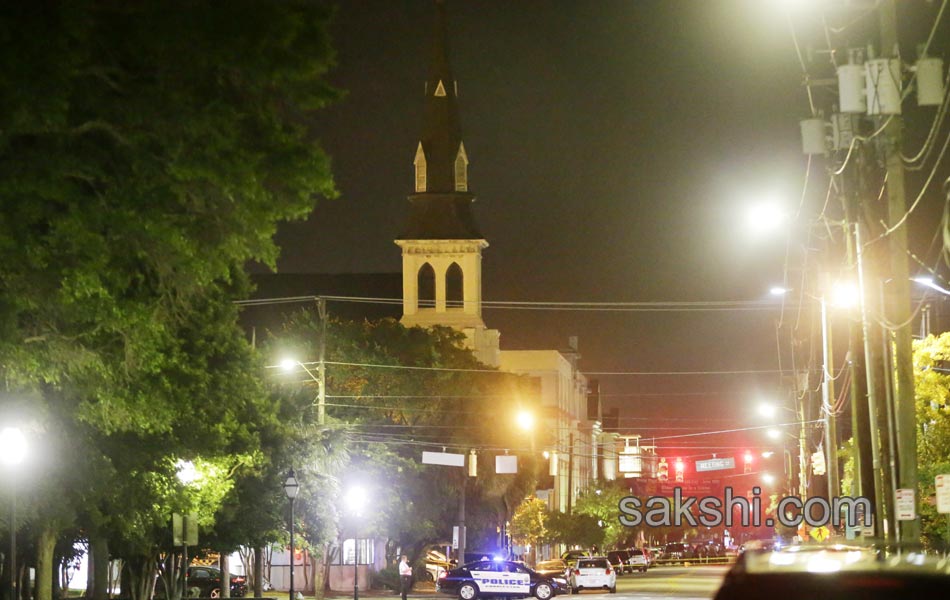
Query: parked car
x=638, y=560
x=436, y=563
x=618, y=560
x=674, y=551
x=571, y=556
x=504, y=578
x=595, y=573
x=556, y=567
x=205, y=582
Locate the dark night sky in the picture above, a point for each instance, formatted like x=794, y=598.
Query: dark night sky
x=613, y=145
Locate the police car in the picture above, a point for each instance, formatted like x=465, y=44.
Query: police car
x=499, y=578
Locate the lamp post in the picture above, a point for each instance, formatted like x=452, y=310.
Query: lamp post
x=355, y=501
x=291, y=487
x=12, y=452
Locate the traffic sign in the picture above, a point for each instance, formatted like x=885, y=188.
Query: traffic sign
x=904, y=506
x=716, y=464
x=942, y=483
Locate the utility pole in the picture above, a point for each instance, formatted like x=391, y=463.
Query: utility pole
x=898, y=299
x=872, y=361
x=570, y=473
x=827, y=399
x=321, y=365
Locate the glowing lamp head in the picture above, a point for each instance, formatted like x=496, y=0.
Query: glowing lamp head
x=12, y=446
x=844, y=295
x=747, y=457
x=773, y=434
x=288, y=364
x=525, y=420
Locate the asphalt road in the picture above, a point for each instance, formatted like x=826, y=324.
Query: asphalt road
x=679, y=583
x=664, y=582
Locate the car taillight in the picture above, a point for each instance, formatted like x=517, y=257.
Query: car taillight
x=442, y=575
x=577, y=571
x=237, y=580
x=607, y=571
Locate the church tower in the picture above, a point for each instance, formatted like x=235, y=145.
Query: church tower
x=441, y=244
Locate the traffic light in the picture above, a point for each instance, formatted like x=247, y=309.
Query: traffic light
x=748, y=462
x=663, y=470
x=679, y=469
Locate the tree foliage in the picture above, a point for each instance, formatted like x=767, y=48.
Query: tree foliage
x=148, y=151
x=932, y=389
x=446, y=400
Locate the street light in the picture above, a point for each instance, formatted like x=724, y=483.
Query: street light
x=290, y=364
x=765, y=217
x=291, y=487
x=525, y=420
x=768, y=478
x=12, y=453
x=768, y=410
x=355, y=500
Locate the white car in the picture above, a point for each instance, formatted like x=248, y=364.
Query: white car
x=595, y=573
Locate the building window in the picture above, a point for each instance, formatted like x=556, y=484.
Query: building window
x=453, y=286
x=420, y=164
x=461, y=170
x=346, y=554
x=426, y=286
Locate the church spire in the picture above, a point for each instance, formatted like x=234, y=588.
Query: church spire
x=440, y=208
x=442, y=129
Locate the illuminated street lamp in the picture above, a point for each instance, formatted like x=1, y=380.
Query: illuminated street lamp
x=355, y=501
x=768, y=410
x=773, y=433
x=765, y=217
x=291, y=487
x=525, y=420
x=768, y=478
x=290, y=364
x=12, y=453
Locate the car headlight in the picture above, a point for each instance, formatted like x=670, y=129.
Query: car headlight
x=560, y=580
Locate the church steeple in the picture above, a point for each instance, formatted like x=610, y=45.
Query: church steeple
x=440, y=208
x=441, y=129
x=441, y=245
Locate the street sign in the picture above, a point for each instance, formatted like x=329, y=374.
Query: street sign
x=443, y=458
x=818, y=463
x=185, y=529
x=455, y=537
x=629, y=462
x=506, y=464
x=820, y=534
x=716, y=464
x=904, y=506
x=942, y=483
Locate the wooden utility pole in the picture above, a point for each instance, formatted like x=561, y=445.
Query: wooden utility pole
x=897, y=298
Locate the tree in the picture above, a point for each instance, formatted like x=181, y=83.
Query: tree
x=148, y=151
x=600, y=503
x=529, y=523
x=446, y=400
x=932, y=389
x=575, y=529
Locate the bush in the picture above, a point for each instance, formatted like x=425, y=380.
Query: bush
x=386, y=578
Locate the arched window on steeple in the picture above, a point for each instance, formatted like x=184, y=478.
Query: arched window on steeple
x=461, y=170
x=420, y=164
x=426, y=283
x=454, y=282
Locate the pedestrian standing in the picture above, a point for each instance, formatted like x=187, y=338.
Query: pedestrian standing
x=405, y=575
